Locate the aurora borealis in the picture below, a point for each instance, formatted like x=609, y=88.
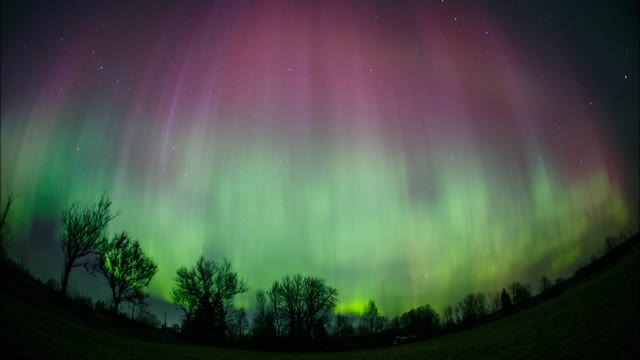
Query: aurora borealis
x=408, y=152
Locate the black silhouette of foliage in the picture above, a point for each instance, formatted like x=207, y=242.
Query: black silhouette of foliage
x=127, y=269
x=473, y=308
x=545, y=284
x=422, y=320
x=370, y=321
x=139, y=301
x=343, y=326
x=263, y=322
x=448, y=317
x=4, y=225
x=82, y=235
x=393, y=326
x=301, y=305
x=505, y=300
x=238, y=323
x=494, y=303
x=611, y=242
x=520, y=293
x=205, y=293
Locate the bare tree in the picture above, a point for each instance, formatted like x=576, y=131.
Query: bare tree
x=82, y=235
x=343, y=326
x=448, y=317
x=495, y=302
x=302, y=303
x=519, y=292
x=422, y=320
x=127, y=269
x=205, y=293
x=263, y=322
x=370, y=316
x=4, y=227
x=140, y=301
x=473, y=308
x=239, y=323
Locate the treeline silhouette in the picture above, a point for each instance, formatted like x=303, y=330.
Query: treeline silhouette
x=295, y=313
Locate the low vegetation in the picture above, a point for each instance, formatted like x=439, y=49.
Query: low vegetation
x=593, y=313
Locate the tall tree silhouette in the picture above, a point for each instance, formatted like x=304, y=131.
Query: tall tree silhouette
x=422, y=320
x=127, y=268
x=302, y=303
x=205, y=293
x=370, y=318
x=519, y=292
x=4, y=225
x=448, y=316
x=239, y=323
x=494, y=302
x=473, y=308
x=263, y=326
x=82, y=235
x=505, y=300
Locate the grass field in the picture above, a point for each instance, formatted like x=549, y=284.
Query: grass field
x=595, y=319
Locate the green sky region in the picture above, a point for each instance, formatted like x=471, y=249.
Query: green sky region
x=349, y=210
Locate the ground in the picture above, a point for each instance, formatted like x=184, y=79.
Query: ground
x=596, y=318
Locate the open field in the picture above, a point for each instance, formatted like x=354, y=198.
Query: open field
x=597, y=318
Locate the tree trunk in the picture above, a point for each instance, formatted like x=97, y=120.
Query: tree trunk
x=65, y=279
x=116, y=305
x=116, y=301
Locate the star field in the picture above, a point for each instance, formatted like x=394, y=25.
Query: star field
x=368, y=143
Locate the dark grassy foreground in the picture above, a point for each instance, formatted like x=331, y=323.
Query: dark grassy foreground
x=596, y=318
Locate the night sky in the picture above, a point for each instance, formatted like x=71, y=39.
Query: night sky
x=409, y=152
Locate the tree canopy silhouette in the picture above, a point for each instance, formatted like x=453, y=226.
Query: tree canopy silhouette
x=519, y=292
x=422, y=320
x=343, y=326
x=372, y=321
x=473, y=308
x=505, y=300
x=205, y=293
x=302, y=305
x=127, y=268
x=263, y=322
x=82, y=235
